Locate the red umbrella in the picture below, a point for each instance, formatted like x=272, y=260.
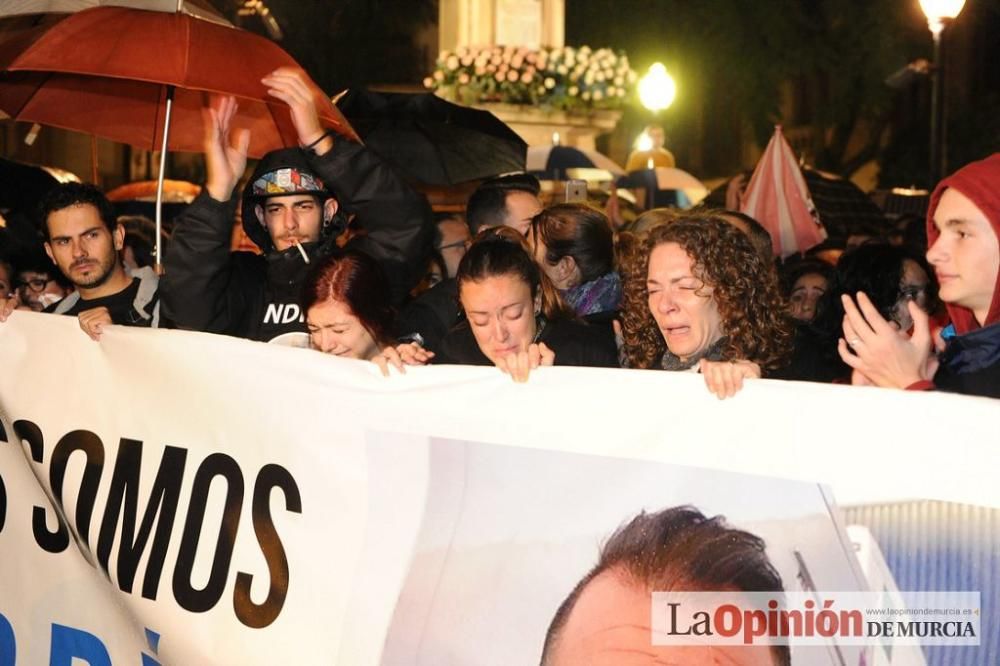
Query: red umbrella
x=200, y=8
x=778, y=198
x=143, y=77
x=109, y=71
x=175, y=191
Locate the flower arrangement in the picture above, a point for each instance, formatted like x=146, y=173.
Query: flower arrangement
x=563, y=78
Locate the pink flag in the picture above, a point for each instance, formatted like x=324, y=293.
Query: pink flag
x=778, y=198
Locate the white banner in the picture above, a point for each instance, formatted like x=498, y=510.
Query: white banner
x=254, y=504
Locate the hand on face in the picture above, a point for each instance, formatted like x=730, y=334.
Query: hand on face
x=501, y=313
x=883, y=355
x=520, y=364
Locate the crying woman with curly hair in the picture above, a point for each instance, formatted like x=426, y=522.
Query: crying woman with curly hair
x=711, y=304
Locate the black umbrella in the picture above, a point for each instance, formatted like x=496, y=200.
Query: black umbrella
x=843, y=208
x=23, y=185
x=432, y=141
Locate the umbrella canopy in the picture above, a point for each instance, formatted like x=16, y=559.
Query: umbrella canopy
x=590, y=175
x=431, y=140
x=778, y=198
x=843, y=208
x=903, y=201
x=200, y=8
x=551, y=162
x=174, y=191
x=109, y=71
x=139, y=198
x=22, y=185
x=666, y=179
x=21, y=188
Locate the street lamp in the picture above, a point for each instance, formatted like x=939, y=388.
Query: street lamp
x=939, y=14
x=657, y=89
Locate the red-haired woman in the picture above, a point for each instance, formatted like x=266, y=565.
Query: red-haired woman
x=346, y=301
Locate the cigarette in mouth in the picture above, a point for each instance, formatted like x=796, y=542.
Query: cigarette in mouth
x=305, y=257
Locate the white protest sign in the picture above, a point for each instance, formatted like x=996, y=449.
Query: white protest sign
x=259, y=457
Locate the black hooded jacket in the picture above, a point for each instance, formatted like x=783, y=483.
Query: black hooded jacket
x=208, y=288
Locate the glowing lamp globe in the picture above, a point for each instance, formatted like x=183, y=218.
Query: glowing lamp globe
x=644, y=142
x=940, y=11
x=657, y=89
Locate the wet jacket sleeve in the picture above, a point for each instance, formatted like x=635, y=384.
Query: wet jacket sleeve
x=396, y=221
x=200, y=288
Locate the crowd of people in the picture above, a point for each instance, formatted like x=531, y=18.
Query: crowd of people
x=354, y=263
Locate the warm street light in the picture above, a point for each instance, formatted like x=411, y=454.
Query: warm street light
x=939, y=14
x=657, y=89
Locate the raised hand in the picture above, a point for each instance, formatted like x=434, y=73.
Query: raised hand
x=225, y=159
x=294, y=88
x=886, y=357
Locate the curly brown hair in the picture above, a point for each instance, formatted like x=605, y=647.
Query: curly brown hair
x=642, y=343
x=745, y=289
x=640, y=336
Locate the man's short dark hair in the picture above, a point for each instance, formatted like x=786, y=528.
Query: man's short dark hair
x=441, y=218
x=65, y=195
x=487, y=207
x=519, y=181
x=675, y=546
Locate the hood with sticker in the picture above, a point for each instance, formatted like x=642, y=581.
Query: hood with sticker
x=282, y=173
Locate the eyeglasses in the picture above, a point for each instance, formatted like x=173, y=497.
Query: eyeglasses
x=460, y=243
x=36, y=285
x=913, y=292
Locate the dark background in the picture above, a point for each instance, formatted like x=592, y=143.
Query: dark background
x=741, y=66
x=817, y=67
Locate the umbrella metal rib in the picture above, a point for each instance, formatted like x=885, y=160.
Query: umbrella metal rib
x=160, y=177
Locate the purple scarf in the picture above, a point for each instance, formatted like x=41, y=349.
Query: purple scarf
x=601, y=295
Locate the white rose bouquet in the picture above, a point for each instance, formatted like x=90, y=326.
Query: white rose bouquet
x=564, y=78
